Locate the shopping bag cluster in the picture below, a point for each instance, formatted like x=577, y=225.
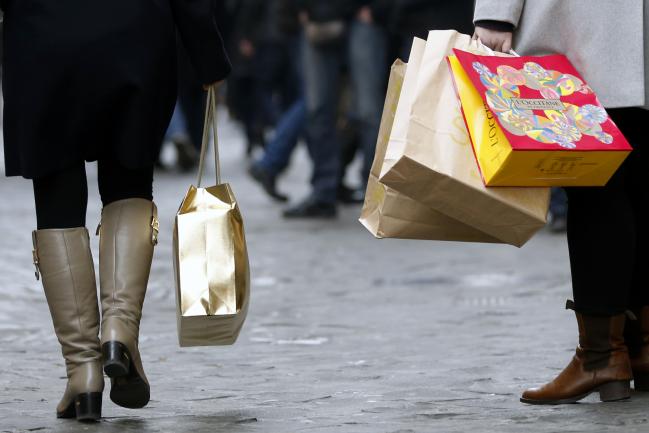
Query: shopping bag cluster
x=470, y=142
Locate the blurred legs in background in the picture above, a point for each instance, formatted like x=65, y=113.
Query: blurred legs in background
x=365, y=50
x=322, y=71
x=290, y=127
x=558, y=217
x=350, y=142
x=368, y=65
x=278, y=151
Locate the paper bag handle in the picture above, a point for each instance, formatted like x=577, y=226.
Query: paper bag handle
x=210, y=126
x=491, y=52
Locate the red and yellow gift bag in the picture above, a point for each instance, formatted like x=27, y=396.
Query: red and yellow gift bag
x=534, y=121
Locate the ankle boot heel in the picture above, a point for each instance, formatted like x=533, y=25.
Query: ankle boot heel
x=614, y=391
x=88, y=406
x=641, y=381
x=116, y=360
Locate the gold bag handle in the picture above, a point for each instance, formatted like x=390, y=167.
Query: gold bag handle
x=210, y=126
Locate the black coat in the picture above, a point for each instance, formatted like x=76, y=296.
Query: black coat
x=88, y=79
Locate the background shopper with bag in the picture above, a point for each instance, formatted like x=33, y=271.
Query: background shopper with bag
x=607, y=234
x=107, y=94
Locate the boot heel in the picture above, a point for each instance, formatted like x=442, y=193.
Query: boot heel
x=614, y=391
x=88, y=406
x=641, y=381
x=116, y=360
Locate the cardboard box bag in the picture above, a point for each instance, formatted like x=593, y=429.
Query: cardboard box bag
x=534, y=121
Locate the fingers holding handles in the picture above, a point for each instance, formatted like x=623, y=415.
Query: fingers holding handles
x=497, y=40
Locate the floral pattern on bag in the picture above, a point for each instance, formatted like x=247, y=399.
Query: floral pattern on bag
x=563, y=127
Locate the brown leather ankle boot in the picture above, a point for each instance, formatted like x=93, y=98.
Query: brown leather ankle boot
x=601, y=364
x=637, y=339
x=64, y=262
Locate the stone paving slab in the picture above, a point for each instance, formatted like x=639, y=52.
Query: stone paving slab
x=345, y=333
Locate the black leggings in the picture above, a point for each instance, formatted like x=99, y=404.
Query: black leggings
x=62, y=198
x=607, y=230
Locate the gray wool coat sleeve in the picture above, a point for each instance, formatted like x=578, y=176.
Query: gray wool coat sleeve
x=508, y=11
x=606, y=40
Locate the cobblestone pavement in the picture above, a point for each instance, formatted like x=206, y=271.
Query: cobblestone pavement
x=345, y=333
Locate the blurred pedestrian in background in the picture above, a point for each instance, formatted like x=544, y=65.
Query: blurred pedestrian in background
x=243, y=86
x=558, y=215
x=340, y=56
x=608, y=238
x=86, y=81
x=292, y=125
x=283, y=57
x=338, y=32
x=264, y=83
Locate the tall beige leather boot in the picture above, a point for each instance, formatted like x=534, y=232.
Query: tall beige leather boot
x=128, y=232
x=64, y=261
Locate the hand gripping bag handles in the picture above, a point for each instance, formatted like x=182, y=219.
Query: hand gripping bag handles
x=210, y=256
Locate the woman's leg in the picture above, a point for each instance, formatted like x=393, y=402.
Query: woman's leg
x=61, y=199
x=602, y=244
x=63, y=259
x=638, y=193
x=636, y=335
x=129, y=228
x=603, y=240
x=117, y=182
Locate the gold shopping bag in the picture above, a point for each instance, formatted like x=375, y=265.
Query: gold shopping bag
x=210, y=257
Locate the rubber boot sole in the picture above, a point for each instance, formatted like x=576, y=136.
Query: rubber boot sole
x=128, y=389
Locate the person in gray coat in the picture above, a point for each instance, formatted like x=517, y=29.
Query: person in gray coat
x=608, y=240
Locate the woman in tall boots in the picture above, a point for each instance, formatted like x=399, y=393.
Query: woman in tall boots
x=607, y=227
x=95, y=81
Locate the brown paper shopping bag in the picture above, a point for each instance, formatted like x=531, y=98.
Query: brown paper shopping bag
x=429, y=156
x=390, y=214
x=210, y=257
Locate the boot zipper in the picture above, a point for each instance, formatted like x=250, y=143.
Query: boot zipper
x=37, y=272
x=155, y=226
x=101, y=218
